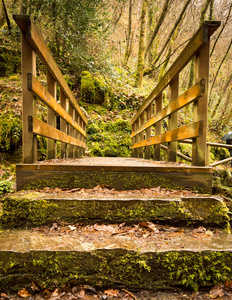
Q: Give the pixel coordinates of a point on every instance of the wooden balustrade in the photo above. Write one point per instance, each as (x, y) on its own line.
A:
(142, 139)
(72, 120)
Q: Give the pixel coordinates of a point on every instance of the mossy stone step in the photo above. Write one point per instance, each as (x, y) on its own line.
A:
(28, 208)
(121, 173)
(173, 259)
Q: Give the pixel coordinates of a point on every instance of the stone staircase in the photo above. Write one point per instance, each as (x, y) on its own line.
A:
(150, 238)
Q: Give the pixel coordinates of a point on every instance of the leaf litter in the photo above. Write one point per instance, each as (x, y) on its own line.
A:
(35, 291)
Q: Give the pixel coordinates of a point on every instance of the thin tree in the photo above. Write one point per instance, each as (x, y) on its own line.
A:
(159, 23)
(6, 15)
(219, 67)
(142, 38)
(180, 18)
(23, 10)
(192, 64)
(129, 36)
(224, 25)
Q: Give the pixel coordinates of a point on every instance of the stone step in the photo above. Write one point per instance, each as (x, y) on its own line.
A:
(144, 256)
(118, 172)
(31, 208)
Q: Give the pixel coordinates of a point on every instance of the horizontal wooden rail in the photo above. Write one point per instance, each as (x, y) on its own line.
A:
(66, 121)
(39, 127)
(41, 92)
(148, 119)
(201, 37)
(37, 43)
(186, 98)
(192, 130)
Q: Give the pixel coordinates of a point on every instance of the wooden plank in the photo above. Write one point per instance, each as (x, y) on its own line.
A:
(173, 118)
(41, 92)
(34, 38)
(39, 127)
(219, 145)
(51, 116)
(221, 162)
(187, 131)
(201, 36)
(29, 143)
(189, 96)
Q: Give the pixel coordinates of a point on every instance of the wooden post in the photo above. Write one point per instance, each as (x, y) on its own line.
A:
(141, 135)
(133, 141)
(158, 107)
(136, 138)
(71, 131)
(51, 144)
(29, 143)
(84, 138)
(199, 149)
(148, 133)
(173, 119)
(81, 138)
(77, 134)
(63, 124)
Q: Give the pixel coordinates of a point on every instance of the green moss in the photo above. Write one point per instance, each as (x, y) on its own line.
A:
(19, 212)
(102, 268)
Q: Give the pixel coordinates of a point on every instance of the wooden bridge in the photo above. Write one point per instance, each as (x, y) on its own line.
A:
(166, 256)
(145, 168)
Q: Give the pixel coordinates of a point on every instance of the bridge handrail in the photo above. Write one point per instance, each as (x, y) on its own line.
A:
(73, 121)
(144, 119)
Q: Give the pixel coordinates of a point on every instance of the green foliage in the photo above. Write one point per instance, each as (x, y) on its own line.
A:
(109, 138)
(6, 186)
(10, 131)
(94, 89)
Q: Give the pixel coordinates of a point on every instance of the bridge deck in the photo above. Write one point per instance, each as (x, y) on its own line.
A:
(117, 172)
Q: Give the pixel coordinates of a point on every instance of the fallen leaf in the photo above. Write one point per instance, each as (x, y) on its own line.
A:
(216, 291)
(112, 293)
(24, 293)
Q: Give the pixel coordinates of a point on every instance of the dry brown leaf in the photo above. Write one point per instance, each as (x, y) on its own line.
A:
(5, 296)
(216, 291)
(81, 294)
(24, 293)
(112, 293)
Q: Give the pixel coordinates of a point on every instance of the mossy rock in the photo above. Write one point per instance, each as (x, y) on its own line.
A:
(94, 89)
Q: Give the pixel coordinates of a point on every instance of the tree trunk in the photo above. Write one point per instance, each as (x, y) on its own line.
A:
(23, 7)
(6, 15)
(141, 53)
(219, 67)
(160, 21)
(192, 64)
(129, 36)
(218, 36)
(180, 18)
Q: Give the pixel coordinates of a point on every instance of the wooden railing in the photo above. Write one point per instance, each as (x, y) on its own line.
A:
(72, 125)
(146, 125)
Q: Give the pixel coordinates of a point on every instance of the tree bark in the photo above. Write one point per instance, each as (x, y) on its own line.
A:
(160, 21)
(129, 36)
(6, 15)
(141, 53)
(23, 7)
(219, 67)
(180, 18)
(218, 36)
